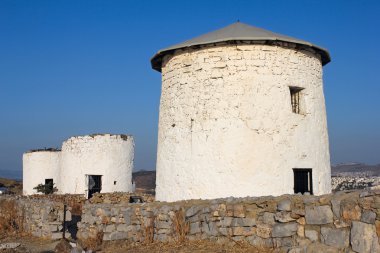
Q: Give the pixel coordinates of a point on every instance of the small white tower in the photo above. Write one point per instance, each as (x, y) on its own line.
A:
(97, 163)
(40, 167)
(242, 113)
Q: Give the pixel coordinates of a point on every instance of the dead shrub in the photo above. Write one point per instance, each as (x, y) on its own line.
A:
(11, 218)
(94, 241)
(149, 229)
(181, 226)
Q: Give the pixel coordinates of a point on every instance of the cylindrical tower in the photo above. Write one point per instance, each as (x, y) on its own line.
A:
(242, 113)
(40, 167)
(97, 163)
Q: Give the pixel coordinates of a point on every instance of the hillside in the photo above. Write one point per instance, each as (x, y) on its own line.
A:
(14, 186)
(145, 181)
(351, 169)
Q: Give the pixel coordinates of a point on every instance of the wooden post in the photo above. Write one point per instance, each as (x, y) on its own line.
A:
(64, 221)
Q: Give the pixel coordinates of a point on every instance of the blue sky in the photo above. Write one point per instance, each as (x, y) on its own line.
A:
(79, 67)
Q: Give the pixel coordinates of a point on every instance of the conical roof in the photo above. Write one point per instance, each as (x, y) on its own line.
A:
(234, 32)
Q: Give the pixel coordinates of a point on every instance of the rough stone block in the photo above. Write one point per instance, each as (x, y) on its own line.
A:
(259, 242)
(226, 221)
(284, 229)
(117, 235)
(335, 203)
(110, 228)
(209, 228)
(225, 231)
(283, 216)
(351, 211)
(123, 228)
(284, 244)
(318, 215)
(312, 235)
(263, 230)
(239, 211)
(338, 238)
(243, 222)
(364, 238)
(301, 231)
(268, 218)
(164, 224)
(284, 205)
(368, 217)
(192, 211)
(53, 228)
(195, 228)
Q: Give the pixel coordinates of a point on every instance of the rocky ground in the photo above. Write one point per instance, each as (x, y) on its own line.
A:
(35, 245)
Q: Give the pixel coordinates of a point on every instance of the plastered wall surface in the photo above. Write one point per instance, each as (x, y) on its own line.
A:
(110, 156)
(38, 166)
(226, 127)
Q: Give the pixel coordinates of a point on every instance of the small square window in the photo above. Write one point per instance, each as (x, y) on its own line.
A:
(295, 98)
(303, 181)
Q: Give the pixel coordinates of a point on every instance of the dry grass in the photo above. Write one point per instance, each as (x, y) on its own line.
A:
(148, 229)
(181, 226)
(93, 242)
(203, 246)
(11, 218)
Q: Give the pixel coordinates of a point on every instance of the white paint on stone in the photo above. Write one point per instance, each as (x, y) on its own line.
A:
(226, 127)
(38, 166)
(110, 156)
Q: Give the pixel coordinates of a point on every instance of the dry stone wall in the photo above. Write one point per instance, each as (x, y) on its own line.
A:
(41, 217)
(341, 222)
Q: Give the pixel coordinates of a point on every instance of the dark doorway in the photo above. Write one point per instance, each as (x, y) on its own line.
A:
(94, 184)
(303, 181)
(49, 185)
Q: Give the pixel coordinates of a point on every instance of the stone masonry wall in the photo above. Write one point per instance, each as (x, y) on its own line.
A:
(42, 217)
(341, 222)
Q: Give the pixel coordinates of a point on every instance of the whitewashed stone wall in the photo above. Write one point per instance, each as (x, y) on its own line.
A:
(108, 155)
(226, 127)
(38, 166)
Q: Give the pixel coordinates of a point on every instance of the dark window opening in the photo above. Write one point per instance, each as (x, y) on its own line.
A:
(114, 182)
(94, 184)
(49, 185)
(295, 96)
(303, 181)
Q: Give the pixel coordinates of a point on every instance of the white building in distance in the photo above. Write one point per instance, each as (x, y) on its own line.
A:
(85, 165)
(242, 113)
